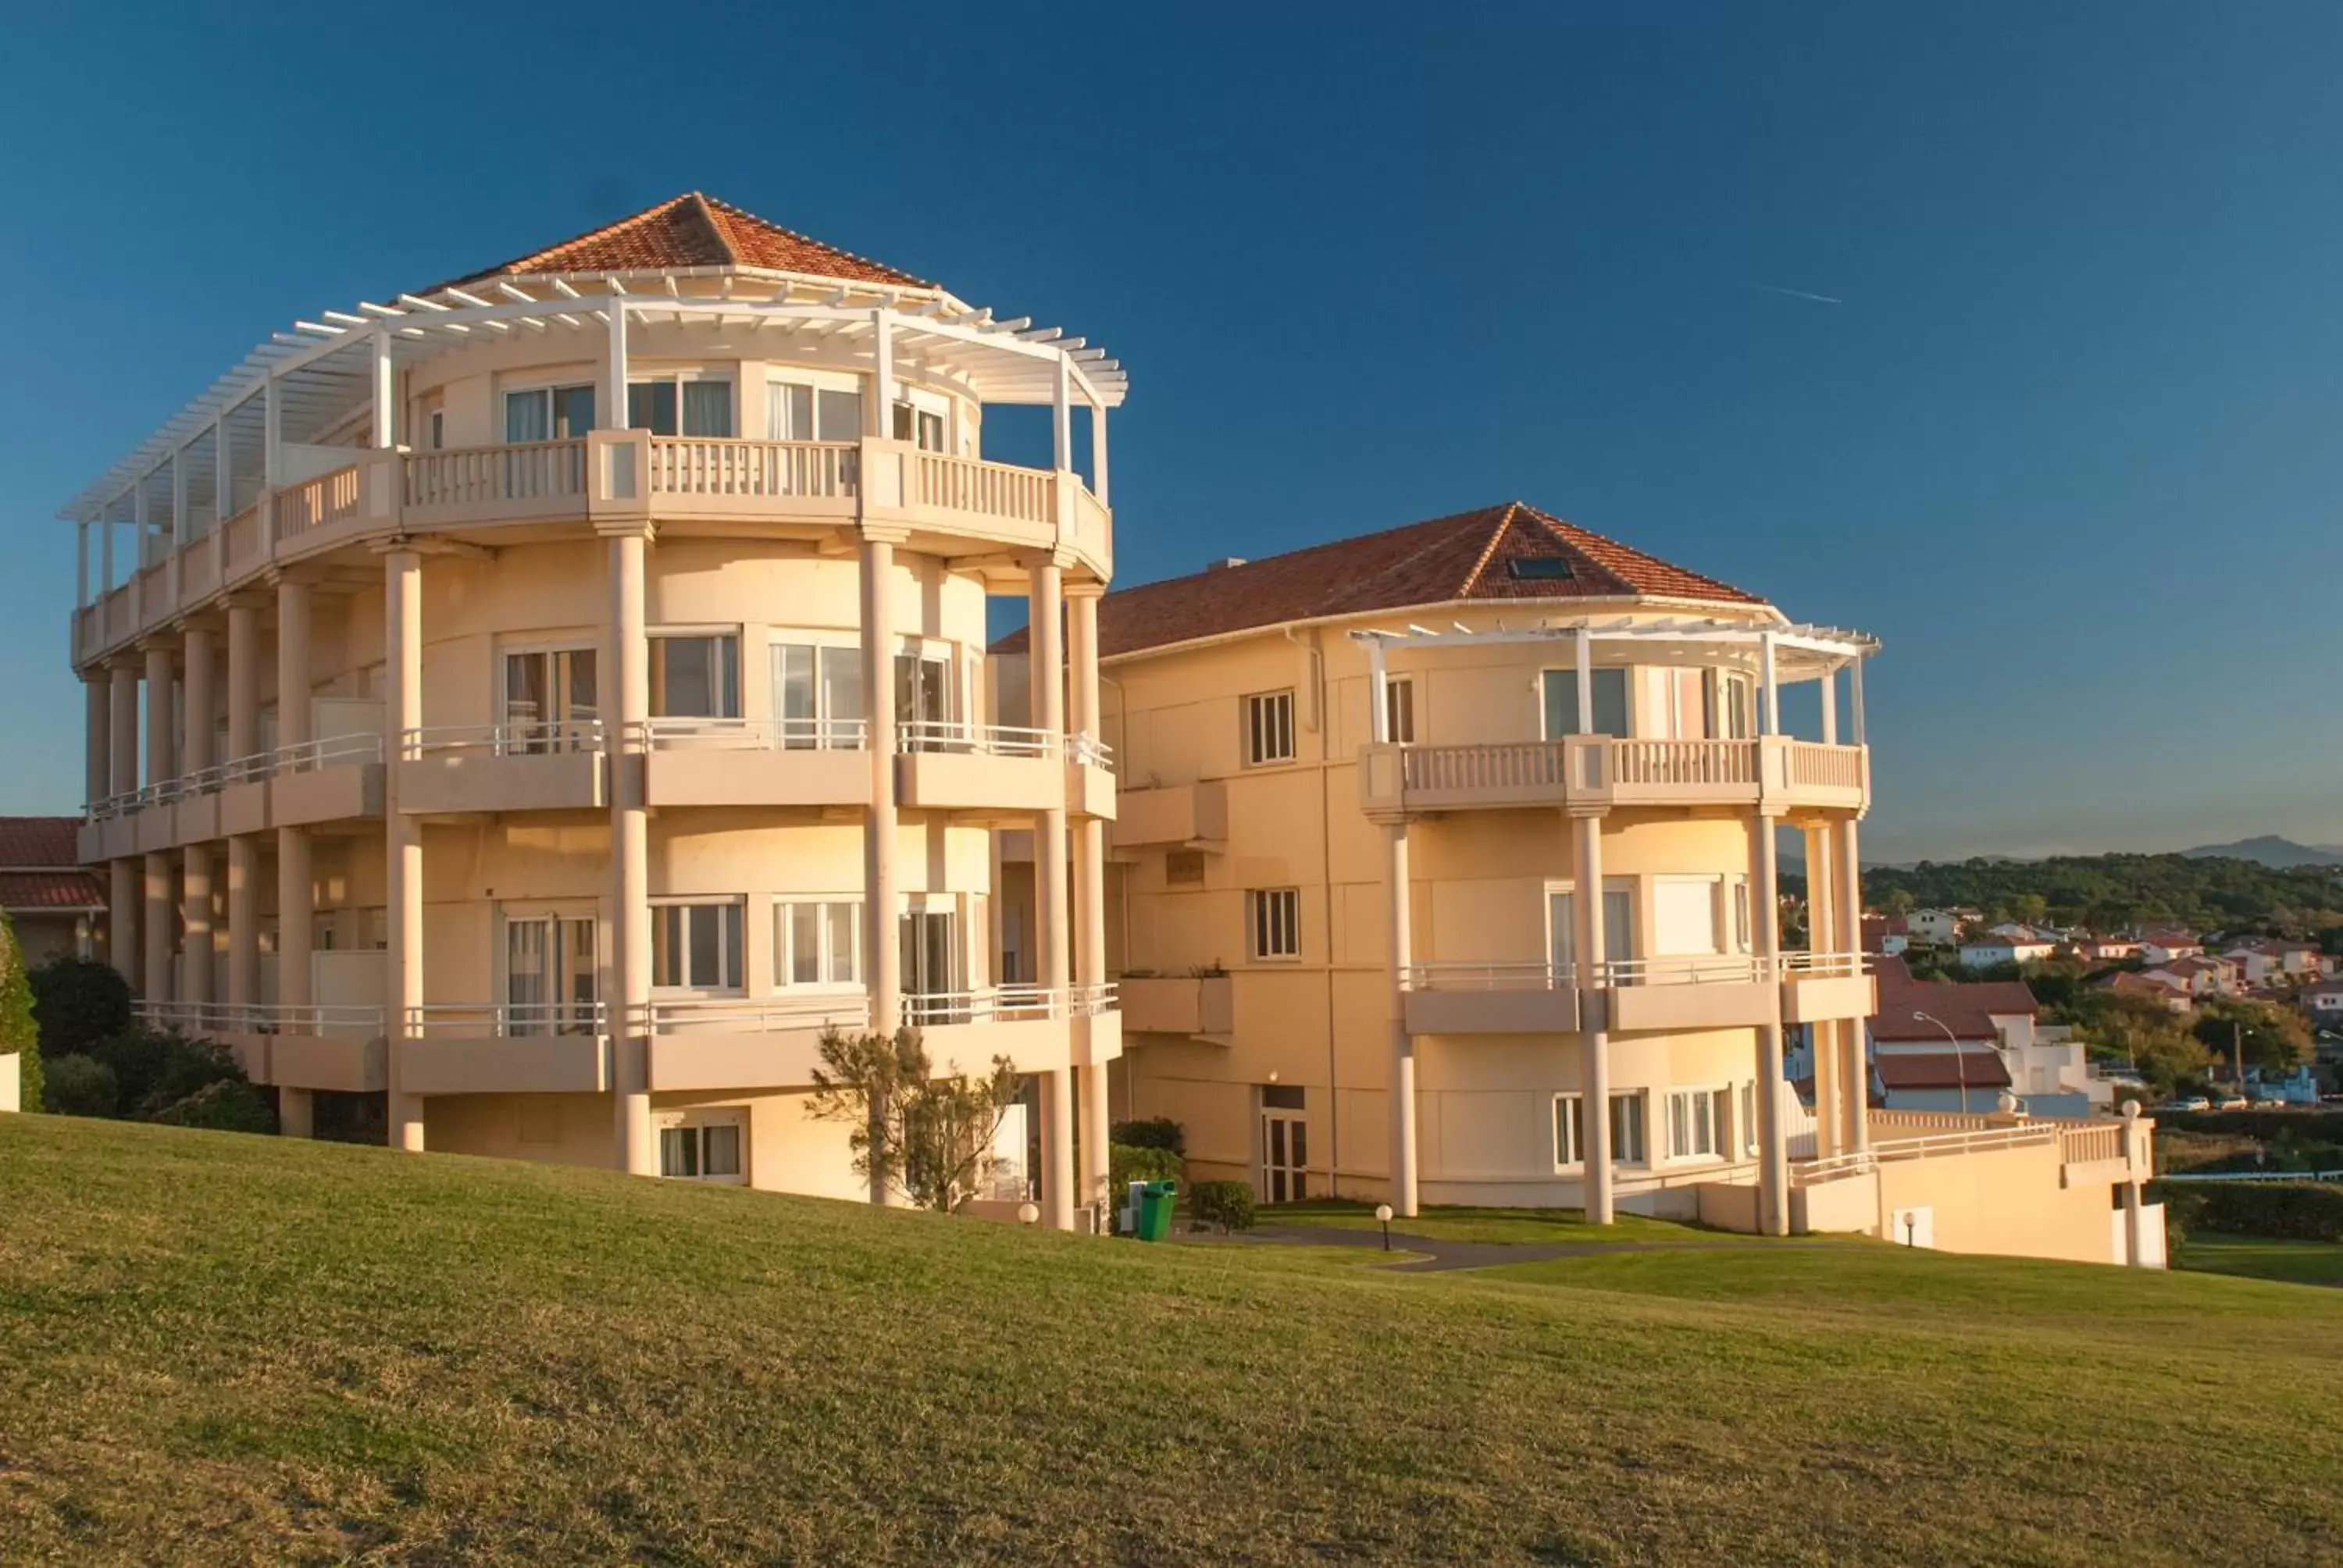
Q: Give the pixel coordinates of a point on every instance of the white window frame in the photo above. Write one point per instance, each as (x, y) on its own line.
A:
(1261, 912)
(1716, 1100)
(1574, 1160)
(563, 733)
(511, 391)
(1259, 737)
(785, 905)
(1398, 709)
(1719, 910)
(677, 379)
(816, 383)
(1747, 1107)
(740, 674)
(824, 737)
(696, 1121)
(738, 983)
(1568, 885)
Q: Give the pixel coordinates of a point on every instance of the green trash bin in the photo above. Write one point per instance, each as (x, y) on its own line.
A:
(1154, 1217)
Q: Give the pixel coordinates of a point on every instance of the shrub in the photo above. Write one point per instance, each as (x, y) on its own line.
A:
(1163, 1133)
(1227, 1204)
(19, 1036)
(1129, 1162)
(2290, 1211)
(223, 1105)
(154, 1069)
(80, 1086)
(77, 1002)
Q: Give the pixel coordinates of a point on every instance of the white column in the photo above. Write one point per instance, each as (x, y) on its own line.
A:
(1098, 454)
(297, 914)
(122, 720)
(161, 765)
(879, 420)
(1766, 942)
(272, 435)
(630, 832)
(1046, 671)
(81, 564)
(1830, 707)
(2135, 1221)
(1403, 1183)
(1061, 418)
(97, 738)
(125, 908)
(1830, 1120)
(1846, 928)
(1855, 699)
(1090, 891)
(1594, 1022)
(385, 395)
(201, 697)
(293, 662)
(196, 861)
(106, 553)
(157, 946)
(243, 849)
(881, 929)
(243, 681)
(1770, 708)
(1585, 641)
(611, 395)
(402, 582)
(122, 918)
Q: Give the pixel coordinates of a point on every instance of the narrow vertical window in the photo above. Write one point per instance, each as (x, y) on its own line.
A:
(1399, 711)
(1269, 727)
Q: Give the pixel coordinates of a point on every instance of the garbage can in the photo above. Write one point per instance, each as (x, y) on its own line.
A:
(1155, 1200)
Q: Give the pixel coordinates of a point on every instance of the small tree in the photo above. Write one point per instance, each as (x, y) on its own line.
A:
(78, 1002)
(18, 1033)
(2271, 1038)
(927, 1136)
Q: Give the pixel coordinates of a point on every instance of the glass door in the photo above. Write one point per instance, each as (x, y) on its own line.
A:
(930, 948)
(1562, 930)
(551, 700)
(1285, 1146)
(924, 699)
(817, 697)
(551, 974)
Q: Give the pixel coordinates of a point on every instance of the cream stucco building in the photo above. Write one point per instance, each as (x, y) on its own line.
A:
(1369, 793)
(540, 703)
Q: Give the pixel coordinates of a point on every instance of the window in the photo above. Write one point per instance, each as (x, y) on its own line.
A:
(438, 428)
(1626, 1129)
(818, 696)
(695, 677)
(550, 699)
(1684, 915)
(797, 412)
(1538, 568)
(1399, 711)
(1562, 702)
(703, 1146)
(1269, 727)
(706, 407)
(696, 946)
(1749, 1118)
(1696, 1123)
(1562, 926)
(548, 414)
(1741, 931)
(1183, 867)
(1273, 922)
(917, 425)
(818, 942)
(1731, 702)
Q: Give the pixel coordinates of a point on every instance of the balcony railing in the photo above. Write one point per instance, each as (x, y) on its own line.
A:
(1688, 969)
(1713, 762)
(1007, 1004)
(1856, 1162)
(522, 738)
(204, 1018)
(1824, 966)
(1606, 770)
(750, 734)
(759, 1014)
(301, 756)
(483, 475)
(1460, 976)
(986, 490)
(503, 1021)
(705, 467)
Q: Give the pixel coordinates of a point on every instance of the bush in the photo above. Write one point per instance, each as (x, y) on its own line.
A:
(2290, 1211)
(223, 1105)
(1128, 1162)
(77, 1002)
(80, 1086)
(157, 1068)
(2312, 1126)
(18, 1034)
(1227, 1204)
(1163, 1133)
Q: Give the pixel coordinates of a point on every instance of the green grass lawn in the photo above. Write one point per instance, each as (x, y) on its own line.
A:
(2262, 1257)
(1512, 1226)
(215, 1348)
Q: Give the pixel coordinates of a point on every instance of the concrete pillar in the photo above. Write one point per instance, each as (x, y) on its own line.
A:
(881, 936)
(1847, 930)
(1402, 1044)
(1595, 1016)
(97, 757)
(297, 1115)
(1830, 1120)
(1089, 891)
(161, 764)
(2134, 1220)
(155, 949)
(123, 906)
(243, 921)
(243, 681)
(1766, 943)
(201, 694)
(402, 581)
(195, 924)
(296, 919)
(292, 680)
(121, 717)
(1046, 670)
(631, 660)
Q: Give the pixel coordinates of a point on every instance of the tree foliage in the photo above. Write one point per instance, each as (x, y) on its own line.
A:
(2271, 1038)
(2116, 892)
(2145, 1033)
(78, 1002)
(927, 1136)
(19, 1035)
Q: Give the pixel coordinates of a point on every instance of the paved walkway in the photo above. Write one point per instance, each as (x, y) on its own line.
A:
(1440, 1256)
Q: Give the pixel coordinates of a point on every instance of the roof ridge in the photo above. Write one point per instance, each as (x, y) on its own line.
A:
(517, 263)
(716, 230)
(1563, 528)
(1489, 549)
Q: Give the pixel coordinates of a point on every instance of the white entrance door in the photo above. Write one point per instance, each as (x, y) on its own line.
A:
(1285, 1146)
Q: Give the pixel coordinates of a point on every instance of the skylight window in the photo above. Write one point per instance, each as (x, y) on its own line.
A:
(1538, 568)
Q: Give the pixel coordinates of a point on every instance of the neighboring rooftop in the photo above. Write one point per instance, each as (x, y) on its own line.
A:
(1512, 551)
(1941, 1070)
(40, 866)
(1968, 1011)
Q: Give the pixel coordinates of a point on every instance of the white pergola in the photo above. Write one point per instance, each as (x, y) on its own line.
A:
(1782, 653)
(212, 459)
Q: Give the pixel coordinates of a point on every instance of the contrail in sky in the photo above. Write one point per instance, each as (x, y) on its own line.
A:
(1800, 293)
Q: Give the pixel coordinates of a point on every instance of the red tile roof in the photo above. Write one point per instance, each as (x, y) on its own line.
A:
(39, 841)
(694, 230)
(24, 891)
(1967, 1009)
(1941, 1069)
(1466, 556)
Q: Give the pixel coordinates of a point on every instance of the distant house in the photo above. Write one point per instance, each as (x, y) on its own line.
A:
(2153, 984)
(1938, 1046)
(1886, 934)
(2264, 960)
(2162, 947)
(1984, 952)
(2104, 950)
(53, 902)
(1938, 928)
(2324, 1003)
(2202, 976)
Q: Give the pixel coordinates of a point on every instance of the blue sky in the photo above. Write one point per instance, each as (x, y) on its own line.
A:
(2069, 443)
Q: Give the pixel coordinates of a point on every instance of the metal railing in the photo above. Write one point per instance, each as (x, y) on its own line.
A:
(301, 756)
(1824, 966)
(760, 1014)
(507, 1021)
(1007, 1004)
(1687, 969)
(1856, 1162)
(1684, 968)
(750, 734)
(518, 737)
(953, 735)
(1462, 976)
(347, 1019)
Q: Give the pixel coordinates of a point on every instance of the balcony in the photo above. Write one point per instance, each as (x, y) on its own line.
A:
(1172, 817)
(328, 1048)
(314, 782)
(1016, 772)
(1672, 993)
(498, 1048)
(1817, 986)
(531, 766)
(1707, 990)
(628, 473)
(753, 762)
(1595, 771)
(1525, 998)
(1202, 1007)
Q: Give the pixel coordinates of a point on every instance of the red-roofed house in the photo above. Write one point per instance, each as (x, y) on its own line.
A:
(55, 904)
(2162, 947)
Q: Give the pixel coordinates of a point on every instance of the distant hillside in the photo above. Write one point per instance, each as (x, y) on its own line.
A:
(2111, 892)
(2270, 850)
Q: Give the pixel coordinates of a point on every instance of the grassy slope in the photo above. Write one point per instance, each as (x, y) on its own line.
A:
(216, 1348)
(1503, 1226)
(2262, 1258)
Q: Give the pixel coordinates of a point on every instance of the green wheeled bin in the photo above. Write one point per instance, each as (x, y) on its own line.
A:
(1154, 1217)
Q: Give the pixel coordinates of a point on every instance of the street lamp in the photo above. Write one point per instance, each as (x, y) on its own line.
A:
(1960, 1067)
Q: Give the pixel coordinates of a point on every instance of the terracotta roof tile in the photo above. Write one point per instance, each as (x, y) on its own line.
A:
(1941, 1069)
(1466, 556)
(21, 890)
(39, 841)
(1967, 1009)
(694, 230)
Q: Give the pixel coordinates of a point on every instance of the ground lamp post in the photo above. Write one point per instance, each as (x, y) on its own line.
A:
(1382, 1217)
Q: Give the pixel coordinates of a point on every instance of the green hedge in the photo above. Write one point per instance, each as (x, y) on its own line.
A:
(1162, 1132)
(223, 1105)
(1227, 1204)
(18, 1033)
(2316, 1126)
(2290, 1211)
(1126, 1163)
(80, 1086)
(77, 1002)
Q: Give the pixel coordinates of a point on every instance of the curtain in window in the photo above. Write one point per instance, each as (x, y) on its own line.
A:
(788, 411)
(708, 409)
(1562, 702)
(837, 415)
(528, 416)
(650, 406)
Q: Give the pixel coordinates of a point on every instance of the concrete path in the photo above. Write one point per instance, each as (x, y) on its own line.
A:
(1440, 1256)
